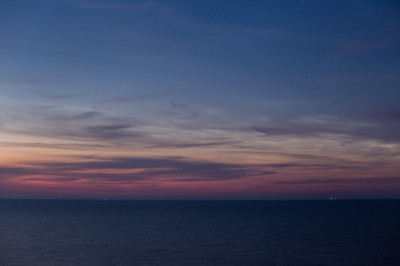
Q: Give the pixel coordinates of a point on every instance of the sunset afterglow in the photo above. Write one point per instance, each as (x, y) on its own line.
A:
(229, 100)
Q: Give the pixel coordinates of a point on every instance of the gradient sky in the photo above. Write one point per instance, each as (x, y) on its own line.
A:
(199, 99)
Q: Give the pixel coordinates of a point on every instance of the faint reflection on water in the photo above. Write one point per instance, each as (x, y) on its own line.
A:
(46, 232)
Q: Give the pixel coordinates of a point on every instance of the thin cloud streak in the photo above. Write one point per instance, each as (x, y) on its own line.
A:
(361, 180)
(317, 128)
(165, 169)
(121, 6)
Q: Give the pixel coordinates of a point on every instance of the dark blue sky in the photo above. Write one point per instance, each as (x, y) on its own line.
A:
(221, 84)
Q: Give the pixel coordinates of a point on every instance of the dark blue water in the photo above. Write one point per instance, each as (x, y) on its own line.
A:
(51, 232)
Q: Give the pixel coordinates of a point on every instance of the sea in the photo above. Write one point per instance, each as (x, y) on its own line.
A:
(112, 232)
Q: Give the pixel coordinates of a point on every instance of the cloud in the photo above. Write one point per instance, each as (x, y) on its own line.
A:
(88, 115)
(60, 146)
(382, 39)
(389, 116)
(176, 105)
(181, 145)
(272, 131)
(9, 171)
(53, 114)
(366, 180)
(138, 98)
(122, 6)
(361, 46)
(319, 125)
(171, 167)
(311, 125)
(111, 131)
(282, 165)
(128, 169)
(58, 124)
(55, 96)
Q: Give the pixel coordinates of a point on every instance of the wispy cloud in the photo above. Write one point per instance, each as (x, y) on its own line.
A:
(389, 116)
(111, 131)
(138, 98)
(318, 126)
(182, 145)
(386, 38)
(177, 105)
(361, 180)
(54, 96)
(88, 115)
(128, 169)
(361, 46)
(122, 6)
(11, 171)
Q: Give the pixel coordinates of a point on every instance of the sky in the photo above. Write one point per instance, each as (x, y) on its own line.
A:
(225, 99)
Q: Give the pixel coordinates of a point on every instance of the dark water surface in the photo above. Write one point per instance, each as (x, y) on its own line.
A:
(73, 232)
